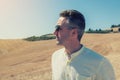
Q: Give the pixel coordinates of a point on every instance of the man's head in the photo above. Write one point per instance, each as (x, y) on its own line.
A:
(70, 22)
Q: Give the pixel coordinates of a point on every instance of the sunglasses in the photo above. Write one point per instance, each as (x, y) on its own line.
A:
(57, 28)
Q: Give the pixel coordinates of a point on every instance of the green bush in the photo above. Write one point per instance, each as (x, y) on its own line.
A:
(43, 37)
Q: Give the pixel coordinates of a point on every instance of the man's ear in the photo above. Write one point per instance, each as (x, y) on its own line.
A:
(74, 33)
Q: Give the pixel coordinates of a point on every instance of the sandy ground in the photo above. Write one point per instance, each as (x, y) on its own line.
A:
(24, 60)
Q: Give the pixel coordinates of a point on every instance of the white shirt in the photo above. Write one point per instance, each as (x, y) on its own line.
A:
(84, 64)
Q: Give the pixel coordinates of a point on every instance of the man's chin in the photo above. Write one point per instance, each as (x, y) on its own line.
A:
(58, 43)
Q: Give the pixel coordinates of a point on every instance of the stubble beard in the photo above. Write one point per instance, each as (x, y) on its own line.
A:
(58, 42)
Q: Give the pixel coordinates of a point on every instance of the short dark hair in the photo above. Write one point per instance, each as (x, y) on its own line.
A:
(76, 18)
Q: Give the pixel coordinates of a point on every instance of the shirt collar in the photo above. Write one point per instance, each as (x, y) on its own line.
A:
(73, 55)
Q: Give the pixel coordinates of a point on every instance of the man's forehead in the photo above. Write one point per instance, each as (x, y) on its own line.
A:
(61, 21)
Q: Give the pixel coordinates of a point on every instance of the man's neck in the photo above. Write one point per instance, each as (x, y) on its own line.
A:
(70, 49)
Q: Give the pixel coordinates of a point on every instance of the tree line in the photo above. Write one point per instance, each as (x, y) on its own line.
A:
(97, 31)
(115, 26)
(100, 30)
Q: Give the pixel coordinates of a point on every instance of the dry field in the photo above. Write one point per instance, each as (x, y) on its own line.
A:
(24, 60)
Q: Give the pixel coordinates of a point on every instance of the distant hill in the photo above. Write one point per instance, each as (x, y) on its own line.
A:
(38, 38)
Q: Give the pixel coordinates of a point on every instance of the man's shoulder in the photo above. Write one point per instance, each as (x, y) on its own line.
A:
(93, 54)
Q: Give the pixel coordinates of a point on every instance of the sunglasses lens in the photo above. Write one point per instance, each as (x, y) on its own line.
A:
(57, 27)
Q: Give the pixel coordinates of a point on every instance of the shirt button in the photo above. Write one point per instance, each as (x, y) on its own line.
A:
(67, 75)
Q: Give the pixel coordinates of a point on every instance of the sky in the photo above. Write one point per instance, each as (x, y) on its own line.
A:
(26, 18)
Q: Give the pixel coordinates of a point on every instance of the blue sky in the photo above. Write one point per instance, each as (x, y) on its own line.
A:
(25, 18)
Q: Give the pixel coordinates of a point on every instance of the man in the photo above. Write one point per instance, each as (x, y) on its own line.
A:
(75, 61)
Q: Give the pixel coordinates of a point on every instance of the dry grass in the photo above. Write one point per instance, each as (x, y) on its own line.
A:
(23, 60)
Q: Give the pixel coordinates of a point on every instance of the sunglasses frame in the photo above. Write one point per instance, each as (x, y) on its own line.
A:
(58, 28)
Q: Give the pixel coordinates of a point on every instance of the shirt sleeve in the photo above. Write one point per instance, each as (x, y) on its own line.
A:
(105, 71)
